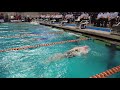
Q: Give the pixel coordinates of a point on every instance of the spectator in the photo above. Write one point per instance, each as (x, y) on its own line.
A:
(1, 16)
(105, 15)
(6, 19)
(113, 16)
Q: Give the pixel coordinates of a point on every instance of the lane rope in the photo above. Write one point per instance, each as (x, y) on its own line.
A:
(24, 35)
(42, 39)
(40, 45)
(107, 73)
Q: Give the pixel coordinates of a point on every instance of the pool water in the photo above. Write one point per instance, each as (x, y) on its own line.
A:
(34, 63)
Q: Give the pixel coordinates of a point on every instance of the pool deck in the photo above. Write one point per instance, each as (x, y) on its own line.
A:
(102, 35)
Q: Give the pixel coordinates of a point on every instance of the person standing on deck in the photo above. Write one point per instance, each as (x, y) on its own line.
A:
(116, 16)
(113, 16)
(106, 15)
(86, 17)
(98, 19)
(94, 19)
(78, 21)
(82, 16)
(101, 19)
(69, 17)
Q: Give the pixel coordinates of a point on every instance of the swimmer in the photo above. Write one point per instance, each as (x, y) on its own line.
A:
(76, 51)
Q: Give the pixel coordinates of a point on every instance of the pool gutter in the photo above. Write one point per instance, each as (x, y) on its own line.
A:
(104, 36)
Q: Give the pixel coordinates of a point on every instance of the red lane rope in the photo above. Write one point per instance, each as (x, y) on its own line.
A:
(107, 72)
(39, 45)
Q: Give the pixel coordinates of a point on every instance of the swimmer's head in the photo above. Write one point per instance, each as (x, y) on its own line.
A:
(85, 47)
(79, 49)
(76, 50)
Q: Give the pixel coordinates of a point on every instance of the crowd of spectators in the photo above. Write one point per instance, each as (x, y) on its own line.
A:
(8, 18)
(98, 19)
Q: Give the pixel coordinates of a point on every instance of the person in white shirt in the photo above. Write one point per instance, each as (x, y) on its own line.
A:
(82, 16)
(69, 17)
(98, 19)
(106, 15)
(78, 21)
(113, 16)
(101, 19)
(118, 19)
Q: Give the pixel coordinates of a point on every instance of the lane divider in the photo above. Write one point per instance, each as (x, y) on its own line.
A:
(39, 45)
(24, 35)
(42, 39)
(13, 31)
(107, 72)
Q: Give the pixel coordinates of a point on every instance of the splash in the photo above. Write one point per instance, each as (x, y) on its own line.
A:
(76, 51)
(56, 57)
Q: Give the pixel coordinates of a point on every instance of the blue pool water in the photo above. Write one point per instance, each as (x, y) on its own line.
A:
(31, 63)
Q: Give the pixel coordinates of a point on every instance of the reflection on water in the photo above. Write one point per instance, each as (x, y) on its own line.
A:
(112, 61)
(112, 53)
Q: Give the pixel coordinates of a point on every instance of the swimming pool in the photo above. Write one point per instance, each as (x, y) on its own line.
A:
(31, 63)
